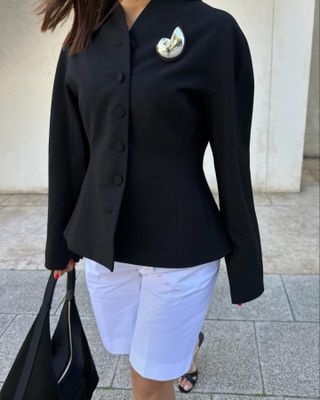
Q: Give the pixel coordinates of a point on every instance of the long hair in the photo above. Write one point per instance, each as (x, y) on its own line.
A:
(88, 16)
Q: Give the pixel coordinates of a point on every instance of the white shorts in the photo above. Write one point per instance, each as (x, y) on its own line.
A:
(153, 314)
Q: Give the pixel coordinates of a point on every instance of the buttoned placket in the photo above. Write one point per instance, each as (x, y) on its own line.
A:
(123, 46)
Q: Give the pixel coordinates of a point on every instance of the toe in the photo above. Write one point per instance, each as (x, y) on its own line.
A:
(185, 383)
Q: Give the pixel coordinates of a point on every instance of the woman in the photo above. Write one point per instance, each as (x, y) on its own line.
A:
(141, 88)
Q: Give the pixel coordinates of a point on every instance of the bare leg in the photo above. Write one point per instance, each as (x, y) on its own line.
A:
(184, 382)
(149, 389)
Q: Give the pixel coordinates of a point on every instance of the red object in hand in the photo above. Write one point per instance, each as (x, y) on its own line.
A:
(56, 275)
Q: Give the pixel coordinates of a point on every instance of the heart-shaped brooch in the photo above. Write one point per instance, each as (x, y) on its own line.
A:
(171, 49)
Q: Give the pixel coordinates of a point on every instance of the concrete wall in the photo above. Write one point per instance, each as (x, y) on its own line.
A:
(27, 63)
(279, 33)
(311, 145)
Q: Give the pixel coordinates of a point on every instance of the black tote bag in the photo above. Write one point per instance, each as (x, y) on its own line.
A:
(57, 368)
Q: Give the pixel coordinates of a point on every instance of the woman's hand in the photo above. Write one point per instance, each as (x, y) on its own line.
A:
(60, 272)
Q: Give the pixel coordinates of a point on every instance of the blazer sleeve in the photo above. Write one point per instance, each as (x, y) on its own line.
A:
(67, 163)
(229, 107)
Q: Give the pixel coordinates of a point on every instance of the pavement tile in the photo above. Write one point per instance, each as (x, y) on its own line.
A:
(259, 397)
(22, 237)
(272, 305)
(5, 320)
(3, 197)
(228, 360)
(121, 378)
(21, 292)
(308, 197)
(118, 394)
(290, 239)
(308, 179)
(261, 199)
(313, 165)
(26, 199)
(112, 394)
(289, 357)
(303, 293)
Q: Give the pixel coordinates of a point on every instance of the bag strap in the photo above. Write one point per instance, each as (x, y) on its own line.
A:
(39, 324)
(71, 281)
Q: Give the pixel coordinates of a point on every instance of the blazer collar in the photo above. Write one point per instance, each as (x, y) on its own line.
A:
(152, 7)
(116, 27)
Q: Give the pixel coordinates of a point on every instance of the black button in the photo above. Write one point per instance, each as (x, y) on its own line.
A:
(119, 76)
(133, 44)
(117, 179)
(119, 111)
(119, 146)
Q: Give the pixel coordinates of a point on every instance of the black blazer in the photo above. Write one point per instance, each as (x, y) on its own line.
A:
(128, 132)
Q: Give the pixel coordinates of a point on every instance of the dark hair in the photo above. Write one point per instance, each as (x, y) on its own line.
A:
(88, 16)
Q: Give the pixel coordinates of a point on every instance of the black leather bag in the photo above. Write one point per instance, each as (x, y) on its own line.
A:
(57, 368)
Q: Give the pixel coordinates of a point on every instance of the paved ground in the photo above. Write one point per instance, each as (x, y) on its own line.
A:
(267, 349)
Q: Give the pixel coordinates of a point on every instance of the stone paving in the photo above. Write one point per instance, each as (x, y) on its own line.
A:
(266, 349)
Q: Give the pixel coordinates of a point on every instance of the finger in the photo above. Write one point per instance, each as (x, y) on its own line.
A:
(57, 274)
(60, 272)
(70, 266)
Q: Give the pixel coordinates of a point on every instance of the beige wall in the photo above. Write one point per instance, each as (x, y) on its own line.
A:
(280, 37)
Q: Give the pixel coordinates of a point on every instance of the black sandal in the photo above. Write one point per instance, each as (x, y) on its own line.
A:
(192, 377)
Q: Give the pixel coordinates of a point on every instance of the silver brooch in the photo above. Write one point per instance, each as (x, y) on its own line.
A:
(170, 49)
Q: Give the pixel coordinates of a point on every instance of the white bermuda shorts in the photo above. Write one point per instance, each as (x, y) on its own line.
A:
(153, 314)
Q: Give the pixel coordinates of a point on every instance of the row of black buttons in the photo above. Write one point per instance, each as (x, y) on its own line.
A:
(119, 147)
(119, 112)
